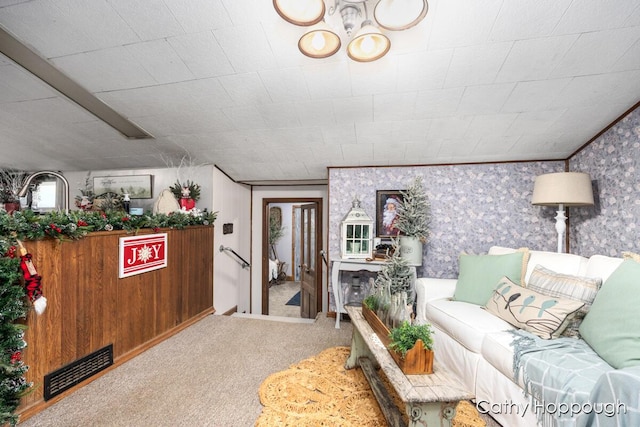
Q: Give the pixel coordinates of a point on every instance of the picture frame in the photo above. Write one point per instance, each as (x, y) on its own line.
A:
(137, 186)
(384, 226)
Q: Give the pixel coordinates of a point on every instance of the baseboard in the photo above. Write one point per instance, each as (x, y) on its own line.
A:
(230, 311)
(274, 318)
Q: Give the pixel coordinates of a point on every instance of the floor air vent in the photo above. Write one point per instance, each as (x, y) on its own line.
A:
(77, 371)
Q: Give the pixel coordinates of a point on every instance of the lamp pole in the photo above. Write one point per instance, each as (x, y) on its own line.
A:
(561, 227)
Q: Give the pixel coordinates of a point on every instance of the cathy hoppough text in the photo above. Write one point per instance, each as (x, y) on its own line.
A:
(609, 409)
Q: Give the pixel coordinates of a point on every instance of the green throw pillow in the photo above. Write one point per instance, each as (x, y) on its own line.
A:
(612, 325)
(480, 273)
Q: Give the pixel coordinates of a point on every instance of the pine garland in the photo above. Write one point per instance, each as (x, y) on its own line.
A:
(27, 225)
(414, 211)
(12, 307)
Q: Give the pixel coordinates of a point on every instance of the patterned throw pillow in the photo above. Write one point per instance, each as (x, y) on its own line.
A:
(539, 314)
(583, 289)
(631, 255)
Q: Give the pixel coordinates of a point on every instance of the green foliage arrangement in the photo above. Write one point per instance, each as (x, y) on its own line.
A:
(404, 337)
(27, 225)
(12, 307)
(194, 189)
(396, 275)
(414, 212)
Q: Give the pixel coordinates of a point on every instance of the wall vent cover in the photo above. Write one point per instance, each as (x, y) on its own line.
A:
(77, 371)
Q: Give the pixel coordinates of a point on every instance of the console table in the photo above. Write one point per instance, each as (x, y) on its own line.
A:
(430, 400)
(339, 265)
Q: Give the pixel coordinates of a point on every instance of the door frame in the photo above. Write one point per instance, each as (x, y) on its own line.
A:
(265, 246)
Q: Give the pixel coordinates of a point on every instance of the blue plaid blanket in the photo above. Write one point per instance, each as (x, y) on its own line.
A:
(571, 386)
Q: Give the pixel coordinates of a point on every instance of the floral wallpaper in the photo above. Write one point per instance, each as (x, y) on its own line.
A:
(473, 207)
(613, 161)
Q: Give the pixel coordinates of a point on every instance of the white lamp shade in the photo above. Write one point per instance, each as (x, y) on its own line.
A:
(563, 188)
(319, 42)
(300, 12)
(368, 44)
(396, 15)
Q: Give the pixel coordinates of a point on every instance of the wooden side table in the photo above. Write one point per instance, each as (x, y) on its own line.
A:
(340, 265)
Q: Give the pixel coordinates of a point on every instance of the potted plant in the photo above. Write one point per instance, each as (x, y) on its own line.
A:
(414, 217)
(187, 193)
(411, 346)
(11, 182)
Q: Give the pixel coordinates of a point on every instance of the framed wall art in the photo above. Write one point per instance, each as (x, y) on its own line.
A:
(387, 202)
(137, 186)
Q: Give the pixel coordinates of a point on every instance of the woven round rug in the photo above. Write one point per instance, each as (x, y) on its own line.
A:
(319, 391)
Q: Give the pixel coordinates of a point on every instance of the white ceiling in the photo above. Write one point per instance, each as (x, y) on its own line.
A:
(476, 81)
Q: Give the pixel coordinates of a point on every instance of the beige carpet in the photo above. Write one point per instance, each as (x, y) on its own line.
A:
(207, 375)
(318, 391)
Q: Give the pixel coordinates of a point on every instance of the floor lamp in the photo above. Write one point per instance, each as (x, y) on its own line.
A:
(562, 189)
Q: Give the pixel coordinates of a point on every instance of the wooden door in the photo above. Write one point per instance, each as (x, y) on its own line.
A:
(311, 270)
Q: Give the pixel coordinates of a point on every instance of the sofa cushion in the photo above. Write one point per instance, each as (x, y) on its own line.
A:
(464, 322)
(577, 288)
(497, 349)
(612, 326)
(602, 266)
(559, 262)
(542, 315)
(479, 274)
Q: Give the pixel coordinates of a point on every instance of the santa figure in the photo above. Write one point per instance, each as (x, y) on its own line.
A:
(390, 216)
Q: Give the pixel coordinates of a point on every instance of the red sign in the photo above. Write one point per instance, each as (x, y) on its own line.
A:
(139, 254)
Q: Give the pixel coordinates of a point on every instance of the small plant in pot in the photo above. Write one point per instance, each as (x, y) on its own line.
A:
(411, 346)
(414, 217)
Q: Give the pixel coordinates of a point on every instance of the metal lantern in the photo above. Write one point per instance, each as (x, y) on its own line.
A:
(356, 233)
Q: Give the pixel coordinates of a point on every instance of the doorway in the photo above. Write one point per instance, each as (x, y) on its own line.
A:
(296, 254)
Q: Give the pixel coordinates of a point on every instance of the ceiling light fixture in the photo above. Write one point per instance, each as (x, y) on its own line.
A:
(369, 43)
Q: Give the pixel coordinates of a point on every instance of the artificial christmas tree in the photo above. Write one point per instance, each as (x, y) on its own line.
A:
(12, 307)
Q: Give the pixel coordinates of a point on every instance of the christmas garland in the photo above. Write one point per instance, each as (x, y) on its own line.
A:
(27, 225)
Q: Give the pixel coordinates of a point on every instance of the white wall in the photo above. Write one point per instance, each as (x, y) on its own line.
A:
(231, 282)
(297, 192)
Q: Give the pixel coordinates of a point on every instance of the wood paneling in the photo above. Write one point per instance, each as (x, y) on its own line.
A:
(88, 306)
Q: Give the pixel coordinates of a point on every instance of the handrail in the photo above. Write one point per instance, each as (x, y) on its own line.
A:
(244, 263)
(324, 258)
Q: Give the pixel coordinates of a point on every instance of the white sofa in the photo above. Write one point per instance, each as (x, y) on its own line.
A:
(474, 344)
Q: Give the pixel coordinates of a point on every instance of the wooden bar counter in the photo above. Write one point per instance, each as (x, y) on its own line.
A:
(89, 307)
